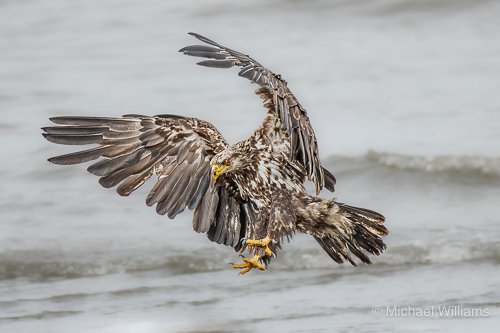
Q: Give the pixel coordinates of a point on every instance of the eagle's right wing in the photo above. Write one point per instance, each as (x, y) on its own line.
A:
(303, 143)
(177, 149)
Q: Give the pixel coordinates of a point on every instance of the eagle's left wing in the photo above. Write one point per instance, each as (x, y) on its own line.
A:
(303, 143)
(133, 148)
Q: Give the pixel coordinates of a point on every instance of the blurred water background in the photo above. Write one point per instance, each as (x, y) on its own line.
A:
(405, 99)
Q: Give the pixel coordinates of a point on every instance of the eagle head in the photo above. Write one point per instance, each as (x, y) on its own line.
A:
(232, 159)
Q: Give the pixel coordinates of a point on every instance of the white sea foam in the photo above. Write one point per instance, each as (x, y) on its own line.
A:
(464, 165)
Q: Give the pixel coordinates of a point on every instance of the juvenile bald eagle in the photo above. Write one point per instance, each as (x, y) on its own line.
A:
(248, 194)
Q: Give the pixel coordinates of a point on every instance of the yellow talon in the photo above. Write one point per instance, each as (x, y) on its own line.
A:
(249, 265)
(263, 243)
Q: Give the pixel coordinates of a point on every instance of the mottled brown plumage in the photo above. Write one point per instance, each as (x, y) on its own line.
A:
(248, 191)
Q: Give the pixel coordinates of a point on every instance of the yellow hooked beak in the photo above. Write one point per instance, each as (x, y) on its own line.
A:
(217, 170)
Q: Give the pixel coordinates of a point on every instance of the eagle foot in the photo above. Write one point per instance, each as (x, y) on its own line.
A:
(263, 243)
(249, 264)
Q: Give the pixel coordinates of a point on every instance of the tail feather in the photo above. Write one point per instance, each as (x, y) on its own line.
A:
(352, 229)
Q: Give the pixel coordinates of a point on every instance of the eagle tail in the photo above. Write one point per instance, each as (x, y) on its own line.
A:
(346, 229)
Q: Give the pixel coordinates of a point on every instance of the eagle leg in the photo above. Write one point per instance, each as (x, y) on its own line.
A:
(262, 243)
(250, 264)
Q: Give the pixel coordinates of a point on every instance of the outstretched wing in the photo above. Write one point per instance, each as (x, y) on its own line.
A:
(176, 149)
(303, 143)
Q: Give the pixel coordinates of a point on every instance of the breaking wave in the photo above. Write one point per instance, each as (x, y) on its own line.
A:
(46, 264)
(34, 265)
(400, 255)
(463, 165)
